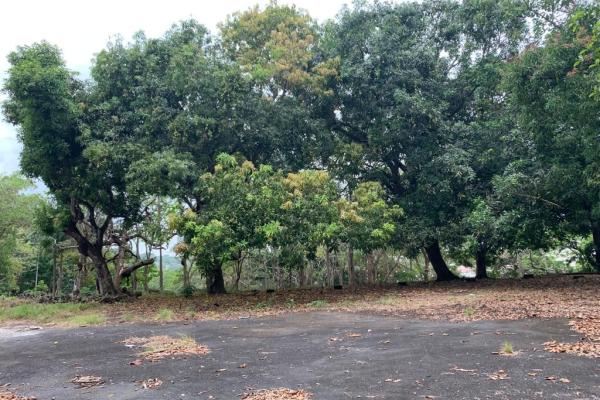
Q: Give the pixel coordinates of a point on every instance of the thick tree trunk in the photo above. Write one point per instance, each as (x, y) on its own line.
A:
(480, 262)
(437, 262)
(120, 265)
(105, 282)
(351, 282)
(596, 240)
(215, 283)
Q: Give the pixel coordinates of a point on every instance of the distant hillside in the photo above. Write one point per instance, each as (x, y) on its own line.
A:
(169, 261)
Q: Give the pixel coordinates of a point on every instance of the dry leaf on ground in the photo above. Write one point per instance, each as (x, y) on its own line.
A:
(151, 383)
(583, 348)
(277, 394)
(6, 394)
(499, 375)
(87, 381)
(157, 347)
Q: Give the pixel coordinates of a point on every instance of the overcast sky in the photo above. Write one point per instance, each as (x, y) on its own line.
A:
(82, 28)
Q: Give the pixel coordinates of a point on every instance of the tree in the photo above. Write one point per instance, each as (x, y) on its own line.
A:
(391, 102)
(369, 224)
(278, 48)
(236, 214)
(78, 151)
(556, 114)
(585, 23)
(16, 210)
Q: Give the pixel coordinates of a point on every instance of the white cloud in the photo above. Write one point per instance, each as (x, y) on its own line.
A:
(82, 28)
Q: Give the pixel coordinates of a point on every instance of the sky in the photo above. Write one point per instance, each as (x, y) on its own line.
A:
(82, 28)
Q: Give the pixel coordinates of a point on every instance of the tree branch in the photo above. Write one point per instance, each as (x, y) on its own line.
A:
(126, 272)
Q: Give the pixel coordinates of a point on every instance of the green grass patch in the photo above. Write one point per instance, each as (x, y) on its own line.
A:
(87, 319)
(469, 312)
(56, 312)
(164, 314)
(318, 303)
(507, 348)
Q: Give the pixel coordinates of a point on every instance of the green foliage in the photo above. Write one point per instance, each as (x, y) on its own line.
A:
(464, 128)
(16, 221)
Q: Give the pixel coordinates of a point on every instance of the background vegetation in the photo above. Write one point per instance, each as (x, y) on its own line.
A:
(396, 142)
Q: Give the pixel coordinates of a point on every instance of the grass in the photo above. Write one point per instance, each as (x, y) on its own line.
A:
(164, 314)
(70, 314)
(507, 348)
(42, 312)
(469, 312)
(318, 303)
(87, 319)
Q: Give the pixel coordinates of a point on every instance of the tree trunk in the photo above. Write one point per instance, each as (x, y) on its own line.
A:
(596, 240)
(302, 276)
(480, 261)
(238, 270)
(370, 265)
(328, 267)
(437, 262)
(350, 266)
(147, 270)
(59, 275)
(79, 278)
(426, 266)
(120, 265)
(186, 274)
(160, 269)
(54, 272)
(105, 282)
(215, 283)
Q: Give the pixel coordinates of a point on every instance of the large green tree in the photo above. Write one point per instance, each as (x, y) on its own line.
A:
(557, 115)
(392, 98)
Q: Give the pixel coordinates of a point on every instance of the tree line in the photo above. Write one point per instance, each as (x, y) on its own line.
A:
(458, 130)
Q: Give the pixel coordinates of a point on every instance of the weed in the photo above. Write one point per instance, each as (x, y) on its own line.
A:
(290, 303)
(164, 314)
(507, 347)
(87, 319)
(42, 312)
(317, 303)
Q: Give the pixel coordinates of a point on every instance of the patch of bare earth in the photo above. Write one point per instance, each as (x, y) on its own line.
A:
(588, 346)
(277, 394)
(7, 394)
(155, 348)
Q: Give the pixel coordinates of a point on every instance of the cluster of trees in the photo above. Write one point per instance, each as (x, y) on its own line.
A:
(453, 129)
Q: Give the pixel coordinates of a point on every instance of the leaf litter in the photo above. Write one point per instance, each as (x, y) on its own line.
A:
(278, 394)
(155, 348)
(588, 346)
(7, 394)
